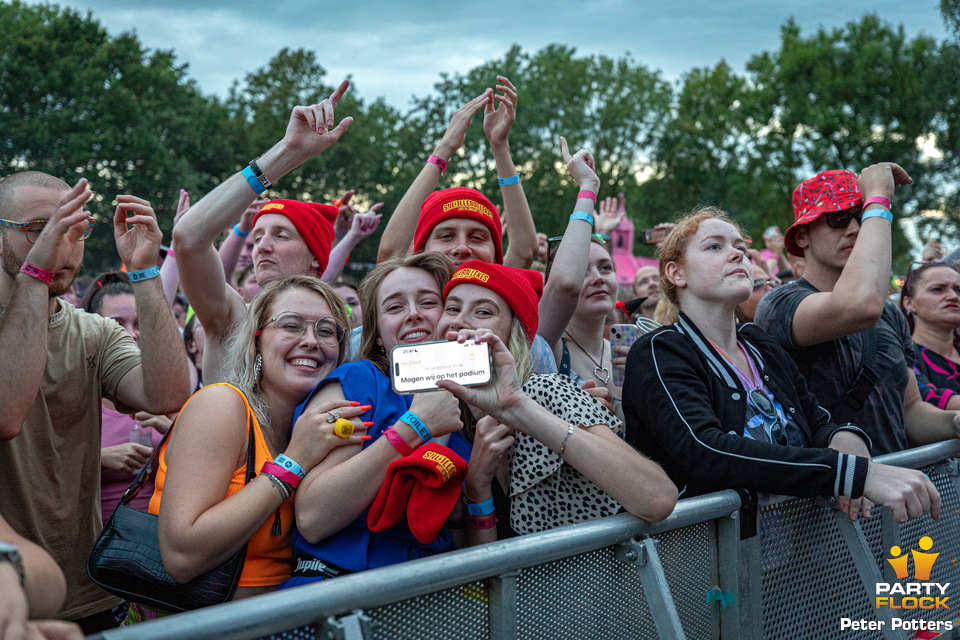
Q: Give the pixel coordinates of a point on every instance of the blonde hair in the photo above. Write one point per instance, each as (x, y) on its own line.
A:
(243, 344)
(674, 247)
(433, 262)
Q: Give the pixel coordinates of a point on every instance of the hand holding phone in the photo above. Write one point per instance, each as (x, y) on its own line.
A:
(654, 236)
(417, 367)
(622, 335)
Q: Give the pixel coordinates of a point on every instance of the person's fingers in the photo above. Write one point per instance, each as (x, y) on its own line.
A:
(488, 105)
(900, 176)
(505, 100)
(934, 497)
(309, 117)
(458, 390)
(57, 630)
(565, 151)
(326, 114)
(342, 89)
(589, 384)
(341, 128)
(506, 81)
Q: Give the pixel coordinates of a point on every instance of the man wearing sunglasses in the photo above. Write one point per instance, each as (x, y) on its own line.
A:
(58, 362)
(850, 343)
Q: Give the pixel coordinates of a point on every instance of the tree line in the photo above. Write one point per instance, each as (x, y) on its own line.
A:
(76, 101)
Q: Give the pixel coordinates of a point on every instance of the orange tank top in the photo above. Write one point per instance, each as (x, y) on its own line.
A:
(269, 558)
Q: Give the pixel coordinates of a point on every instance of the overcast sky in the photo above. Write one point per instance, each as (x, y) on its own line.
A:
(397, 48)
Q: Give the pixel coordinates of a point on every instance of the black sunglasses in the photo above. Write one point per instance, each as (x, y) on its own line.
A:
(841, 219)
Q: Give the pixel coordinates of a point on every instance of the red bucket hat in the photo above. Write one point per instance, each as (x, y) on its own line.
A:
(825, 192)
(458, 202)
(521, 288)
(313, 221)
(425, 485)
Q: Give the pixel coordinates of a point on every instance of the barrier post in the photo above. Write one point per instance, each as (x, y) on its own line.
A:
(739, 573)
(503, 606)
(642, 554)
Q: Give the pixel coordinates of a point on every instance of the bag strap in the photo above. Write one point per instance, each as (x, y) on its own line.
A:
(865, 380)
(565, 359)
(141, 479)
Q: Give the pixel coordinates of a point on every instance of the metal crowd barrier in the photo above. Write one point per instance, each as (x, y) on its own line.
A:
(718, 567)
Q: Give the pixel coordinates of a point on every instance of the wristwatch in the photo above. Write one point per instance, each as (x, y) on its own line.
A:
(10, 553)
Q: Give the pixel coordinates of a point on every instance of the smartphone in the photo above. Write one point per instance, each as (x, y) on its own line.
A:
(417, 367)
(622, 335)
(654, 236)
(771, 231)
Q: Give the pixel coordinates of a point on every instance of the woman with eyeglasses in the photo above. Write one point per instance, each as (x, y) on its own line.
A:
(931, 302)
(291, 338)
(722, 406)
(402, 301)
(581, 290)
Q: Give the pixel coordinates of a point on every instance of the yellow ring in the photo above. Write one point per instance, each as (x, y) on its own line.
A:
(343, 428)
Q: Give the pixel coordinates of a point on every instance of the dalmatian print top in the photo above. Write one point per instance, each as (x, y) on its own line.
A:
(545, 492)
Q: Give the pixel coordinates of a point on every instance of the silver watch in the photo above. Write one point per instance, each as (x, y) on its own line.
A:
(10, 553)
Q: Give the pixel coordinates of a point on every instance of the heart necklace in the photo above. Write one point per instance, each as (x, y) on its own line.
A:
(601, 373)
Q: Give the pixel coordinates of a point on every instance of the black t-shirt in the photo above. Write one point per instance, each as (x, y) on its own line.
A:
(830, 368)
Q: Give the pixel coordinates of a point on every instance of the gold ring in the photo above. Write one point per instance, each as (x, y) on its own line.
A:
(343, 428)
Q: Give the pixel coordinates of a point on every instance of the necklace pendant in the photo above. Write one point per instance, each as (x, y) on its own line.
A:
(602, 373)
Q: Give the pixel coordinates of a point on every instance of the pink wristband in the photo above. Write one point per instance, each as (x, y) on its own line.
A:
(482, 522)
(275, 470)
(398, 442)
(40, 274)
(587, 194)
(877, 200)
(440, 162)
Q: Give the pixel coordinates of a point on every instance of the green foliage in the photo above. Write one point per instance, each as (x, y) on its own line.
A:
(76, 101)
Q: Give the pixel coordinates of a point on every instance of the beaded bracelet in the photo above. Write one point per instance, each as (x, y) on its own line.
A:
(281, 486)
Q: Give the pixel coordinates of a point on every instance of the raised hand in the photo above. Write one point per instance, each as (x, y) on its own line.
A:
(456, 133)
(581, 166)
(139, 246)
(183, 205)
(65, 228)
(311, 129)
(364, 224)
(610, 215)
(345, 211)
(932, 252)
(882, 179)
(498, 119)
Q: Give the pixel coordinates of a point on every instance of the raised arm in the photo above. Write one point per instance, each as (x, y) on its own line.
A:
(497, 122)
(398, 236)
(561, 292)
(161, 382)
(856, 301)
(309, 132)
(232, 246)
(24, 321)
(169, 274)
(362, 225)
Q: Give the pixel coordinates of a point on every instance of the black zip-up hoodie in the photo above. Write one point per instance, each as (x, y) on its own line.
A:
(686, 408)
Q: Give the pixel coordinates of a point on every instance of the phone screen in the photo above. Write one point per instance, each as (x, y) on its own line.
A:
(417, 367)
(653, 236)
(622, 335)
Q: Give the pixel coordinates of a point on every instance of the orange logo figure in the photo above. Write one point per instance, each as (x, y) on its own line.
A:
(923, 562)
(898, 562)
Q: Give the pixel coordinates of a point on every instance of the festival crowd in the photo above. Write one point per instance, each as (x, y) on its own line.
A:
(253, 379)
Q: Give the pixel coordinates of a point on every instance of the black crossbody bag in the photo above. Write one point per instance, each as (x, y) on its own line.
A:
(864, 383)
(126, 560)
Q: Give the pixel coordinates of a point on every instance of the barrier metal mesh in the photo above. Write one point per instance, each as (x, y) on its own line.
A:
(460, 612)
(597, 596)
(809, 580)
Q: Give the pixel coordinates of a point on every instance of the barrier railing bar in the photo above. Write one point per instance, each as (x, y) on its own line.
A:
(258, 616)
(736, 576)
(867, 568)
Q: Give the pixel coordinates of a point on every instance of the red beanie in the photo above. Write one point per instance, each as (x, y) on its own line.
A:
(521, 288)
(425, 485)
(458, 202)
(314, 221)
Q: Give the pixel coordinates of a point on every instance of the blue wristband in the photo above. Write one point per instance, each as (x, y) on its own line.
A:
(504, 182)
(290, 465)
(144, 274)
(581, 215)
(877, 213)
(411, 419)
(484, 508)
(253, 181)
(237, 232)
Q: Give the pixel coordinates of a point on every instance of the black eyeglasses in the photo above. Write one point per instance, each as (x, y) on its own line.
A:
(33, 228)
(841, 219)
(292, 326)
